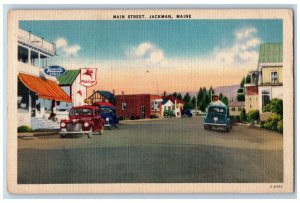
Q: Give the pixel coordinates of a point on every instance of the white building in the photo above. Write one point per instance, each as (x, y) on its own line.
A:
(270, 69)
(37, 92)
(167, 105)
(70, 83)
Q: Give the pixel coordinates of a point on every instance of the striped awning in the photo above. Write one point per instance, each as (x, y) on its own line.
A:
(44, 88)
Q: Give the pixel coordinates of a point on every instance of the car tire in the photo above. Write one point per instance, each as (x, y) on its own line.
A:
(62, 135)
(205, 127)
(116, 126)
(101, 132)
(90, 134)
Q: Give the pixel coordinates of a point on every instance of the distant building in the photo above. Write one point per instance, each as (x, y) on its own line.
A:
(235, 108)
(270, 68)
(178, 105)
(251, 92)
(70, 83)
(38, 93)
(102, 96)
(167, 105)
(138, 105)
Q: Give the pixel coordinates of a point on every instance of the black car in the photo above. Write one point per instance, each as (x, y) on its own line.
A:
(186, 113)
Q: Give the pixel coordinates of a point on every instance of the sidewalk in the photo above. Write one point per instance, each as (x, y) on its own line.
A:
(31, 135)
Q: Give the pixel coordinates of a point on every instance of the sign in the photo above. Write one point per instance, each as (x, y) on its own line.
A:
(54, 71)
(88, 77)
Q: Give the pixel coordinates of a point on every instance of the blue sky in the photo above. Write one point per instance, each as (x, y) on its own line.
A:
(184, 38)
(192, 53)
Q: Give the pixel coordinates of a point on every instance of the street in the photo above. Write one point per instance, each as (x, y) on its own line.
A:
(155, 151)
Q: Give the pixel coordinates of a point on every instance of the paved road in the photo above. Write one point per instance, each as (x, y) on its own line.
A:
(155, 151)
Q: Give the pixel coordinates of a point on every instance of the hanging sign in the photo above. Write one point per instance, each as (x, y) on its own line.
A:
(88, 77)
(54, 70)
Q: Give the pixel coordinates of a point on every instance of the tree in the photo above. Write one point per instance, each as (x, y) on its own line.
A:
(187, 98)
(174, 94)
(240, 97)
(242, 83)
(179, 96)
(248, 79)
(275, 106)
(193, 102)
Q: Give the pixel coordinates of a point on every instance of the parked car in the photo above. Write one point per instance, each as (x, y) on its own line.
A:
(217, 117)
(169, 114)
(82, 120)
(109, 114)
(186, 113)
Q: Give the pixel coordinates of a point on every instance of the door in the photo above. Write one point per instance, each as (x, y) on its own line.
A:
(142, 111)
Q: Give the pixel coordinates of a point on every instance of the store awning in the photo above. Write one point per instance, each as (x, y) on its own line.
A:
(46, 89)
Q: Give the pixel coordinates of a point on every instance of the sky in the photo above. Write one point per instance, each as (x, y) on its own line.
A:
(159, 55)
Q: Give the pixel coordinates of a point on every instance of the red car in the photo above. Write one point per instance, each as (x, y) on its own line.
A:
(82, 120)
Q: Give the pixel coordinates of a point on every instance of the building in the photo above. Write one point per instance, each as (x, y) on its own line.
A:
(178, 105)
(167, 105)
(70, 83)
(270, 68)
(251, 92)
(102, 96)
(235, 108)
(38, 93)
(138, 105)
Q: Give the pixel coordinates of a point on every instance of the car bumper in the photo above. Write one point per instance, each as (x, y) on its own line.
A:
(216, 124)
(64, 132)
(107, 125)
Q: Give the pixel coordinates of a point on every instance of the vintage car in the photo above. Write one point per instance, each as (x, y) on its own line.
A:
(217, 116)
(186, 113)
(82, 120)
(108, 113)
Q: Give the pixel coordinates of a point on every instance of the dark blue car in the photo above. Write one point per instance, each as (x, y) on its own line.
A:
(186, 113)
(108, 113)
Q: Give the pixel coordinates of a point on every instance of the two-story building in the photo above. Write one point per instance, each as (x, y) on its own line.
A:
(251, 92)
(270, 67)
(37, 92)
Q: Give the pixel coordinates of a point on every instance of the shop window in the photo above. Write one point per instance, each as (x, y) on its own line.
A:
(124, 106)
(274, 77)
(22, 54)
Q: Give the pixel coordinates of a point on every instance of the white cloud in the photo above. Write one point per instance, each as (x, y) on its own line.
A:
(65, 49)
(244, 48)
(148, 52)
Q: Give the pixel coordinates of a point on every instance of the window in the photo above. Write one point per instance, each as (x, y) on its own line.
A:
(124, 106)
(250, 106)
(274, 77)
(154, 106)
(239, 109)
(233, 109)
(265, 98)
(81, 112)
(250, 99)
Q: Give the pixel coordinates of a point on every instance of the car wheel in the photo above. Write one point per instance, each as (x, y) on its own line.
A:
(101, 131)
(205, 127)
(62, 135)
(116, 126)
(90, 134)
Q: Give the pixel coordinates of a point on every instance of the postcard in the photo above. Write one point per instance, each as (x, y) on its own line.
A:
(150, 101)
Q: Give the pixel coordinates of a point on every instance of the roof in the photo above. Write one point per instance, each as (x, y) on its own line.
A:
(103, 104)
(217, 103)
(106, 94)
(173, 99)
(68, 78)
(47, 89)
(166, 101)
(85, 107)
(270, 53)
(237, 104)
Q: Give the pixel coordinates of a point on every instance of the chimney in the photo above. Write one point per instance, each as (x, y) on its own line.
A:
(165, 93)
(113, 91)
(122, 92)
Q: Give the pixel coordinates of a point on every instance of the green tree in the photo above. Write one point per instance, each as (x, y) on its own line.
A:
(248, 79)
(187, 98)
(240, 97)
(179, 96)
(193, 102)
(242, 83)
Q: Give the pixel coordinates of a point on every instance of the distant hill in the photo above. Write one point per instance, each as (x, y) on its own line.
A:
(228, 91)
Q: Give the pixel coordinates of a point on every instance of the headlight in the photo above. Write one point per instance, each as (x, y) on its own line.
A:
(62, 125)
(86, 124)
(107, 119)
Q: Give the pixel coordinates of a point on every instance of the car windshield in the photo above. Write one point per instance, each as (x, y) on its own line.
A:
(216, 110)
(106, 110)
(81, 112)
